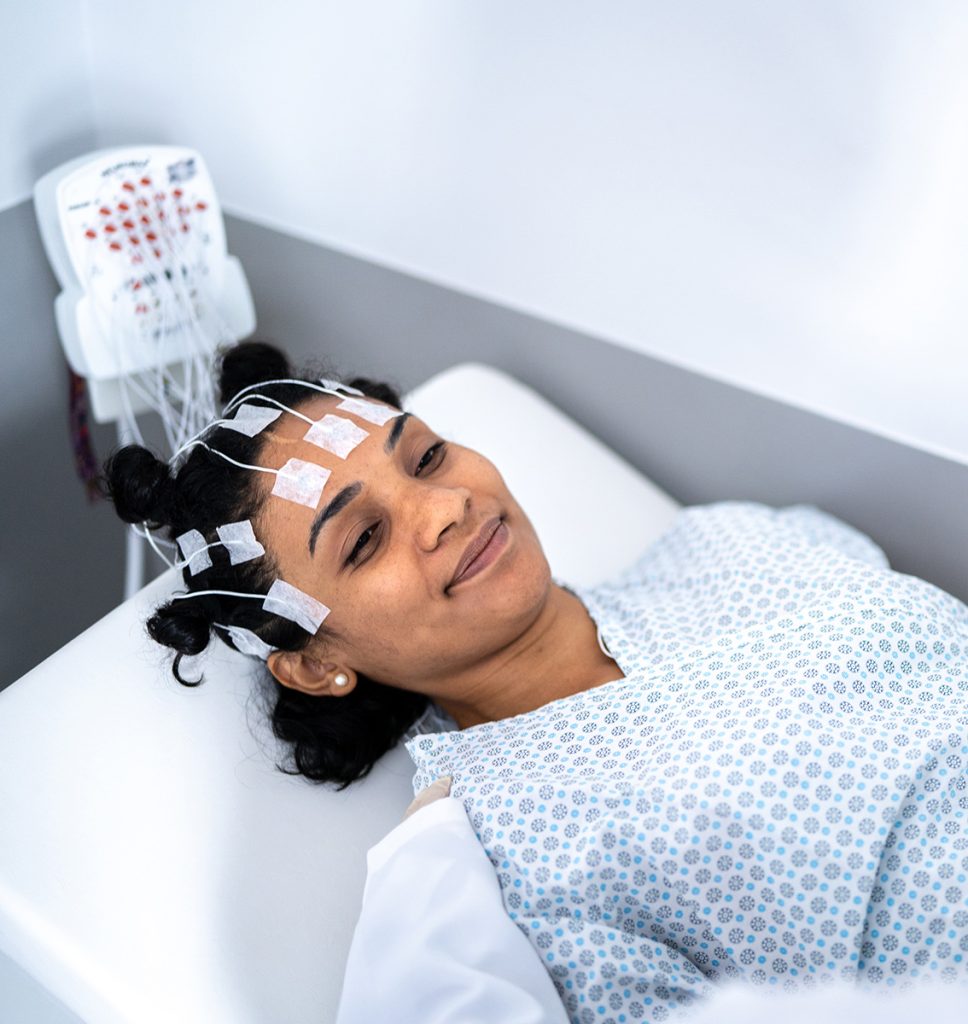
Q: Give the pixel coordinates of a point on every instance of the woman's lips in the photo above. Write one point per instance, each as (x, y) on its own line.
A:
(494, 545)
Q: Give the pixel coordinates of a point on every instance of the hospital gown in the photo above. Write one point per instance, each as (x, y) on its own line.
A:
(776, 789)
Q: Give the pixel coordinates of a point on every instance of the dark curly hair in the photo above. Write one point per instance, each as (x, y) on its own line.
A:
(332, 740)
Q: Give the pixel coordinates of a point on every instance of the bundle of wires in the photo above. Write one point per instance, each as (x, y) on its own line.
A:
(166, 303)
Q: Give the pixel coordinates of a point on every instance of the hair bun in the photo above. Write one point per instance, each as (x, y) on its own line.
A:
(140, 486)
(186, 629)
(250, 362)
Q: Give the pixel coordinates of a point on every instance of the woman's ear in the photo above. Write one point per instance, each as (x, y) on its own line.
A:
(317, 677)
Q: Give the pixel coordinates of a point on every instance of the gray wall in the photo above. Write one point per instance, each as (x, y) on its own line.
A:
(697, 438)
(61, 557)
(700, 440)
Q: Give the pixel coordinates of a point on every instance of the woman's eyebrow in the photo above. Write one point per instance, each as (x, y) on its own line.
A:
(398, 424)
(345, 496)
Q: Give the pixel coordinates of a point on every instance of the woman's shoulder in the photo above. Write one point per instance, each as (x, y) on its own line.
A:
(719, 534)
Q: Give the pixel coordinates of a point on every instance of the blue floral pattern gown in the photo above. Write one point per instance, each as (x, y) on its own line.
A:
(776, 788)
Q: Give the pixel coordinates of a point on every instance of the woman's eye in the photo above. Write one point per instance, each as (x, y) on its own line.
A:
(361, 543)
(429, 456)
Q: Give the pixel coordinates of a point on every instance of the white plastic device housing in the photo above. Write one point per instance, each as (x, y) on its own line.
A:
(95, 269)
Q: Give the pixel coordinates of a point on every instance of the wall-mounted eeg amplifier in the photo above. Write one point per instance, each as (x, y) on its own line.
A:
(136, 240)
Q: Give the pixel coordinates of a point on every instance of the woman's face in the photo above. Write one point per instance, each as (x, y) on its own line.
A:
(393, 531)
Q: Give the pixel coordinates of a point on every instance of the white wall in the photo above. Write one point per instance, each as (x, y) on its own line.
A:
(770, 193)
(46, 112)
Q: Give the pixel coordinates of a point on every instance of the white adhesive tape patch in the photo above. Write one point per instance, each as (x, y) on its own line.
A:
(251, 419)
(301, 482)
(335, 385)
(194, 550)
(370, 411)
(247, 642)
(336, 434)
(239, 540)
(291, 603)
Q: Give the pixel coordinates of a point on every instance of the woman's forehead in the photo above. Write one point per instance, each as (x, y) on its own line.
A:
(290, 428)
(287, 446)
(328, 435)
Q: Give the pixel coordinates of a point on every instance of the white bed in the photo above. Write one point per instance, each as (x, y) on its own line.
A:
(154, 865)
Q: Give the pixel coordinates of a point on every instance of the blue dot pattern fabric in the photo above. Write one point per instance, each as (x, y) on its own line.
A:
(775, 789)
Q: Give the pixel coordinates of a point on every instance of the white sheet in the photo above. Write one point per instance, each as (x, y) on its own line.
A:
(434, 943)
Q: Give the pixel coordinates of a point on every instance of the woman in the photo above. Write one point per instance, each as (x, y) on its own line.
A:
(388, 551)
(705, 768)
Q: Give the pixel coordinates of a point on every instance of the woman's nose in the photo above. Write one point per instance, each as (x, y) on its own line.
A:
(438, 509)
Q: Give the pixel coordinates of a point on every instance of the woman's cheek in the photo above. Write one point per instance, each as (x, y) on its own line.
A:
(379, 611)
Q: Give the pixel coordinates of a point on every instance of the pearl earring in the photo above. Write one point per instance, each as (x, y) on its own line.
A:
(341, 679)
